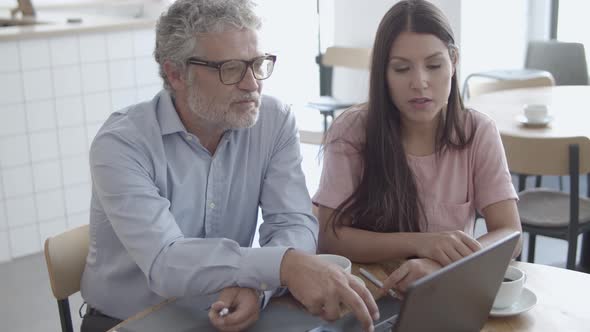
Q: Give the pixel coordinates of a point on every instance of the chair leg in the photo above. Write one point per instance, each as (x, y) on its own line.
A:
(65, 316)
(538, 181)
(572, 249)
(521, 182)
(531, 253)
(572, 231)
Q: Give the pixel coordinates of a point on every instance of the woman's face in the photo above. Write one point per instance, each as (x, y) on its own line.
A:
(419, 73)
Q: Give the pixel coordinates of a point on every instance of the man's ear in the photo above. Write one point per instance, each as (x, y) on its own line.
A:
(175, 75)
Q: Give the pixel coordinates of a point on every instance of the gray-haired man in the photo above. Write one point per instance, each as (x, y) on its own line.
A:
(178, 180)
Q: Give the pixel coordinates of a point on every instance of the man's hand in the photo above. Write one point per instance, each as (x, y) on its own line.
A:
(409, 272)
(447, 247)
(243, 306)
(321, 287)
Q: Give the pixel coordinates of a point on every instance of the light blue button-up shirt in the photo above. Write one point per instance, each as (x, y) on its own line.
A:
(170, 219)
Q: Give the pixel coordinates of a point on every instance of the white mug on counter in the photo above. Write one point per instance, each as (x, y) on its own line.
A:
(341, 261)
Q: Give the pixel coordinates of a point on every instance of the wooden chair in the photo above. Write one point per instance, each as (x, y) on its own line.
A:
(506, 78)
(335, 56)
(548, 212)
(479, 88)
(311, 137)
(539, 80)
(65, 255)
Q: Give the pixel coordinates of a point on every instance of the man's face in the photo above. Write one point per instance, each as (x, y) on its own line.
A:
(219, 105)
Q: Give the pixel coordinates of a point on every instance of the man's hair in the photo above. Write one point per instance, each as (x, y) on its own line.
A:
(179, 25)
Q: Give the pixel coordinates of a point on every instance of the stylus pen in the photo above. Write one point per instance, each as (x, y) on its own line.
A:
(223, 312)
(377, 282)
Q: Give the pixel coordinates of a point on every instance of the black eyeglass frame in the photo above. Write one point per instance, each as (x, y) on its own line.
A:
(249, 63)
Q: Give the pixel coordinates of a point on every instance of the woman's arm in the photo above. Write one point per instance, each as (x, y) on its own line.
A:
(360, 245)
(501, 219)
(370, 247)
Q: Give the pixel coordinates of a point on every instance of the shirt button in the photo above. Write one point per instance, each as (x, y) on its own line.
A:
(212, 205)
(263, 286)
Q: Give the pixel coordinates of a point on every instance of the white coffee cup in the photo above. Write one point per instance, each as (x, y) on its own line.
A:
(536, 113)
(341, 261)
(510, 291)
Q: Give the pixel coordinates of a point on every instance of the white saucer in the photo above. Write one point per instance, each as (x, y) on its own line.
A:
(526, 122)
(527, 300)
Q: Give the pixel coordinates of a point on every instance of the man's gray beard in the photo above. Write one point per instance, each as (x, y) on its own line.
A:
(242, 121)
(230, 120)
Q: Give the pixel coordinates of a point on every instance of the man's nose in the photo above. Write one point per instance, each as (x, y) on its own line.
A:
(249, 82)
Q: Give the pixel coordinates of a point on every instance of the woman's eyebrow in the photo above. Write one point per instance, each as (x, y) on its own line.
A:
(397, 57)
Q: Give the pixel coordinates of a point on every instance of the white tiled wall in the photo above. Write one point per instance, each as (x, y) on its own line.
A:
(54, 96)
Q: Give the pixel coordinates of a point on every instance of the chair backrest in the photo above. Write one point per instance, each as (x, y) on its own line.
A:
(565, 61)
(311, 137)
(479, 88)
(345, 57)
(544, 156)
(349, 57)
(65, 255)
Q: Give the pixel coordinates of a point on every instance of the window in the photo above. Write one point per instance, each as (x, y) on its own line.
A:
(573, 24)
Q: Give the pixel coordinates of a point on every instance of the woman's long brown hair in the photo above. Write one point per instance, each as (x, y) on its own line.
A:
(386, 199)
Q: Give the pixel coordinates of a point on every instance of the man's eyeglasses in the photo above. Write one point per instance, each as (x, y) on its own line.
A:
(233, 71)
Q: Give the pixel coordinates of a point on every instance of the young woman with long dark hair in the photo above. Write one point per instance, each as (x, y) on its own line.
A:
(405, 173)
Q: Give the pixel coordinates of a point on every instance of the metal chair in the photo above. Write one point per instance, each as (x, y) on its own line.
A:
(335, 56)
(548, 212)
(65, 255)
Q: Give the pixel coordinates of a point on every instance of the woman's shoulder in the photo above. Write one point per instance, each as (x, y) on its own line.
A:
(479, 122)
(479, 118)
(483, 128)
(350, 125)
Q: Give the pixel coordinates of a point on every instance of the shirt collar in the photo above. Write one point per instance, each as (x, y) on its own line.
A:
(167, 116)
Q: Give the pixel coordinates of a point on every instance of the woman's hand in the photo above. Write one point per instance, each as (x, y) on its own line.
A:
(446, 247)
(409, 272)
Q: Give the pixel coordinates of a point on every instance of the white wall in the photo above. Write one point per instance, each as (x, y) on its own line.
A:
(493, 35)
(283, 33)
(352, 29)
(539, 25)
(55, 94)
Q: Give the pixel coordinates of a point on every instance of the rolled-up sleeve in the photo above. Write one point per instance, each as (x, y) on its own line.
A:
(491, 178)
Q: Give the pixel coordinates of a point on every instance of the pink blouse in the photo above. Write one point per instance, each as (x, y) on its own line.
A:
(451, 187)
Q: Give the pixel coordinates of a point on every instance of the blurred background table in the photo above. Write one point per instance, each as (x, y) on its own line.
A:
(571, 117)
